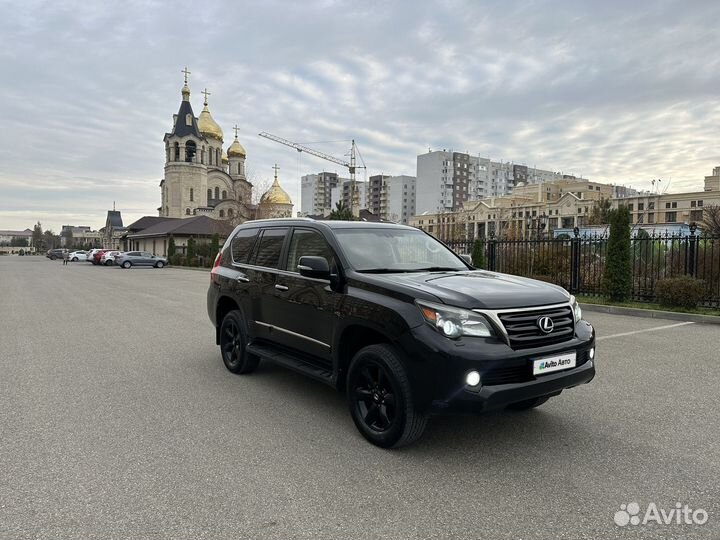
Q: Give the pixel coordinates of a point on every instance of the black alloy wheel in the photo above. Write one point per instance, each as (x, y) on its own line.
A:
(233, 343)
(380, 398)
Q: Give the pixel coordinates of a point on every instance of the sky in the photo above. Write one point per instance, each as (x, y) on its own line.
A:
(622, 92)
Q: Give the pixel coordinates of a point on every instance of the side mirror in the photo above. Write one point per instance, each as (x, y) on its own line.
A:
(314, 267)
(465, 257)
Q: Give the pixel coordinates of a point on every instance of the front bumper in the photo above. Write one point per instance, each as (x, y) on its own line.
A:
(439, 367)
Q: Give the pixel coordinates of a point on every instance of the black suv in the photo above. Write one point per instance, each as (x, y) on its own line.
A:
(396, 320)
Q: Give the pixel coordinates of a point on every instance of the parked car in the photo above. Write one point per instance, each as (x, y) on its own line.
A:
(78, 256)
(91, 255)
(140, 258)
(98, 255)
(53, 254)
(108, 258)
(396, 320)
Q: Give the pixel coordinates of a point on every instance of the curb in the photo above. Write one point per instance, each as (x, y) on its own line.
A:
(194, 268)
(652, 313)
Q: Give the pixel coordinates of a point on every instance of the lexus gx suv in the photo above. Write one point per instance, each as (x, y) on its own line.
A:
(396, 320)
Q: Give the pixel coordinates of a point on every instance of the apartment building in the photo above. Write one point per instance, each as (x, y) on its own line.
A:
(316, 193)
(397, 199)
(343, 192)
(374, 192)
(667, 208)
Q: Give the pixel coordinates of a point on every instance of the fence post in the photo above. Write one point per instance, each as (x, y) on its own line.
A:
(491, 252)
(692, 250)
(575, 262)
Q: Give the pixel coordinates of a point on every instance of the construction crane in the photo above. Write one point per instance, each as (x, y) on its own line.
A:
(351, 166)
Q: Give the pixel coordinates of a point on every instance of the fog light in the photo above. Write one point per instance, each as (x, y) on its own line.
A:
(472, 378)
(592, 353)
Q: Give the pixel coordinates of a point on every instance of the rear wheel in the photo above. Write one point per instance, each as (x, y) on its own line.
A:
(126, 264)
(528, 403)
(233, 344)
(380, 398)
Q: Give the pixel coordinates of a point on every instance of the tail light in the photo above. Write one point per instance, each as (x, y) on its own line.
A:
(216, 264)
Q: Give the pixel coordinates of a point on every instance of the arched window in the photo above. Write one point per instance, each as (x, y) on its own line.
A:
(187, 211)
(202, 155)
(209, 195)
(230, 212)
(194, 211)
(217, 193)
(224, 195)
(188, 119)
(192, 195)
(239, 167)
(190, 150)
(217, 156)
(222, 213)
(177, 151)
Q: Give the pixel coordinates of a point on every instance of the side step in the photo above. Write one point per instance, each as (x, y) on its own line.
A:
(280, 357)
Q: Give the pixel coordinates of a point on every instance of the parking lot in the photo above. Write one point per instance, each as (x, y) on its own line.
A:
(119, 420)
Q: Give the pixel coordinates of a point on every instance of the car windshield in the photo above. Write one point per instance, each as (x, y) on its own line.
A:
(396, 250)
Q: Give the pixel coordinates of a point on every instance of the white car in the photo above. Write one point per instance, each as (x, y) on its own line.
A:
(108, 258)
(78, 256)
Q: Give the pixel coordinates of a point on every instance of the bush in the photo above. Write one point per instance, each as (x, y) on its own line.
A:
(175, 259)
(478, 254)
(618, 268)
(686, 292)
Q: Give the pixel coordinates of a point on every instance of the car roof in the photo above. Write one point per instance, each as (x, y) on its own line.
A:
(331, 224)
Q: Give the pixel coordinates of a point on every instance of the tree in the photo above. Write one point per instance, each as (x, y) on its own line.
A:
(37, 236)
(191, 248)
(214, 246)
(50, 240)
(711, 219)
(68, 236)
(618, 266)
(599, 214)
(341, 213)
(171, 246)
(478, 253)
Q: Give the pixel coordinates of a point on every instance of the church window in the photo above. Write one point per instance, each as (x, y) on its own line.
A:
(194, 211)
(188, 119)
(187, 211)
(202, 155)
(217, 193)
(230, 212)
(222, 213)
(239, 168)
(209, 195)
(177, 152)
(217, 157)
(224, 195)
(190, 150)
(192, 194)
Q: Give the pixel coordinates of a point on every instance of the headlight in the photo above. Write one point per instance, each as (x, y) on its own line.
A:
(577, 312)
(454, 322)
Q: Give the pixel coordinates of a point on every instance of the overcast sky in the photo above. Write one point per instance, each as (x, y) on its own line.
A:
(615, 91)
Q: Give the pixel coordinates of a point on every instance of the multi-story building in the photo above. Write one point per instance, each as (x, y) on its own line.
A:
(667, 208)
(446, 179)
(397, 199)
(374, 192)
(316, 193)
(342, 192)
(82, 235)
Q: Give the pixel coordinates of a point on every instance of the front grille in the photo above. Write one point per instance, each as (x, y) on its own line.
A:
(523, 330)
(521, 373)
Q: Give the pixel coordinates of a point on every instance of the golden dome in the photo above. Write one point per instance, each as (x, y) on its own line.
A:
(236, 149)
(208, 126)
(275, 195)
(224, 157)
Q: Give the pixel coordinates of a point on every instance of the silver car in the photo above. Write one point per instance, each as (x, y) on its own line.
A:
(140, 258)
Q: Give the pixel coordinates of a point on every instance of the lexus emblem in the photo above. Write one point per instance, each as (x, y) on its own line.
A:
(545, 324)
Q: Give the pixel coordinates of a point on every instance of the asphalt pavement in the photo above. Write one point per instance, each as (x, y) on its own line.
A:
(119, 420)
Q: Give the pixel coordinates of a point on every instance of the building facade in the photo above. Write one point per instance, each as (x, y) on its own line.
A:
(342, 192)
(316, 193)
(397, 201)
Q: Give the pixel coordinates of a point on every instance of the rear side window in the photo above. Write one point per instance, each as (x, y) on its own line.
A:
(242, 245)
(268, 251)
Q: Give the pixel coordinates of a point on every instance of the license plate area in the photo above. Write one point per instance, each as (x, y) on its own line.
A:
(550, 364)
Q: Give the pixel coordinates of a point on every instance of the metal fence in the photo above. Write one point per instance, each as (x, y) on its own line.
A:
(578, 263)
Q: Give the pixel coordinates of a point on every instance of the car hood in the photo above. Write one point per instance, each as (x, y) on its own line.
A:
(481, 289)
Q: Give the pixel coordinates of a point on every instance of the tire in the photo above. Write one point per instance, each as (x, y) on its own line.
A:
(380, 398)
(160, 264)
(108, 263)
(126, 264)
(74, 259)
(233, 344)
(528, 403)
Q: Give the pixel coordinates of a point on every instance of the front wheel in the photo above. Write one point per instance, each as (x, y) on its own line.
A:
(380, 398)
(74, 259)
(160, 264)
(126, 264)
(233, 344)
(528, 403)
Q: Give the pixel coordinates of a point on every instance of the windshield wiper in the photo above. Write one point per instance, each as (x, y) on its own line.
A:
(409, 270)
(384, 271)
(437, 269)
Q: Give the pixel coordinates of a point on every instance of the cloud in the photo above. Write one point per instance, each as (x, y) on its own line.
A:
(614, 91)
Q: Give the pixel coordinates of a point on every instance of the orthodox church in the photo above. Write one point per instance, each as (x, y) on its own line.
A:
(202, 179)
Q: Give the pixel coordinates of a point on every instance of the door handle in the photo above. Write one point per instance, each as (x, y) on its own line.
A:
(281, 287)
(242, 279)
